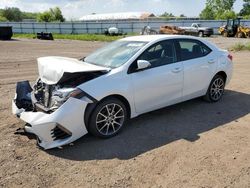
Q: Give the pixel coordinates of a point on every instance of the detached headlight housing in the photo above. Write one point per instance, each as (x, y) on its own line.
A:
(76, 93)
(60, 96)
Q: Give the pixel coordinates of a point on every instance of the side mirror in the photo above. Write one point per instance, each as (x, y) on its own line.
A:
(142, 64)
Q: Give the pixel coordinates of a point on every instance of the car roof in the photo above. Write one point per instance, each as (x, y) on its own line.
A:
(151, 38)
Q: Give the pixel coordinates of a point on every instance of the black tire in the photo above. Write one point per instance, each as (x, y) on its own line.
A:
(240, 35)
(216, 89)
(111, 122)
(248, 34)
(201, 34)
(225, 34)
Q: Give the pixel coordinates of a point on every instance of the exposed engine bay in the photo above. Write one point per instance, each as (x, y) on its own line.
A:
(48, 98)
(56, 93)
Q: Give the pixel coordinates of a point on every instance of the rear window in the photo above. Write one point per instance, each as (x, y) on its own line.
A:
(190, 49)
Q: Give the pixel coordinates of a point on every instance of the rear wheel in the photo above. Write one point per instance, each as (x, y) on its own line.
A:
(215, 89)
(248, 34)
(108, 118)
(240, 35)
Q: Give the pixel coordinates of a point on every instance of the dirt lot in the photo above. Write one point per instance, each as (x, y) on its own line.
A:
(192, 144)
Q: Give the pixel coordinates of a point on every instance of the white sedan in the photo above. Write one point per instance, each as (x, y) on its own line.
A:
(122, 80)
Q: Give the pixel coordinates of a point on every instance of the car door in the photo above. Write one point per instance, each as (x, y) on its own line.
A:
(160, 84)
(194, 29)
(199, 66)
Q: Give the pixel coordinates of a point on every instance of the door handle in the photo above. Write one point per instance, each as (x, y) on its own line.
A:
(176, 70)
(211, 61)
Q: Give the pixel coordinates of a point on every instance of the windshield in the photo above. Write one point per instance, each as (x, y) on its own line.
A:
(114, 54)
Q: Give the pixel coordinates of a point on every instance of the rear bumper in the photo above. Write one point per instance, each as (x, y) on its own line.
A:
(61, 127)
(229, 73)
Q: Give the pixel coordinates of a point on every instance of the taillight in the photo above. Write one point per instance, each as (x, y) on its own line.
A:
(230, 57)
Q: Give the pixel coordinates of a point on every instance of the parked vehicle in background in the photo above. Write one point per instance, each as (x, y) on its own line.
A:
(6, 32)
(195, 29)
(166, 29)
(44, 36)
(120, 81)
(146, 30)
(113, 31)
(198, 30)
(233, 28)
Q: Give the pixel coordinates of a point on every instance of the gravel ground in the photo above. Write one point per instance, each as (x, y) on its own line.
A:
(192, 144)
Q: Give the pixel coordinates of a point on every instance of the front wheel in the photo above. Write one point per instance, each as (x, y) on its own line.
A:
(201, 34)
(225, 34)
(215, 89)
(108, 118)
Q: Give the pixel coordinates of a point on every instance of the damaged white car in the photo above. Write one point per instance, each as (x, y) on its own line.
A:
(122, 80)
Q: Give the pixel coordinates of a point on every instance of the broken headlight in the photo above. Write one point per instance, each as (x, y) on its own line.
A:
(60, 96)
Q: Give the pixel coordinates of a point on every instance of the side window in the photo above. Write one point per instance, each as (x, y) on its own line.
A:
(190, 49)
(159, 54)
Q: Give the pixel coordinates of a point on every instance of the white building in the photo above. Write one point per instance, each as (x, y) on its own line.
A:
(117, 16)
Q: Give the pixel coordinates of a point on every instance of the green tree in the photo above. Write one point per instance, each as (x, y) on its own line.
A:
(167, 15)
(245, 11)
(207, 13)
(44, 17)
(221, 5)
(29, 15)
(53, 15)
(12, 14)
(228, 14)
(57, 14)
(247, 17)
(218, 9)
(3, 19)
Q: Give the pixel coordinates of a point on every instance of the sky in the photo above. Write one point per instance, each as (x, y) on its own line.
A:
(74, 9)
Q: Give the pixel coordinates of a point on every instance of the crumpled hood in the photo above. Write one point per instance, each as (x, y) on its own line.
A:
(51, 69)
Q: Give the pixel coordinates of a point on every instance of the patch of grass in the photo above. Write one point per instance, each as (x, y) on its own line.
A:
(240, 47)
(28, 36)
(84, 37)
(248, 46)
(87, 37)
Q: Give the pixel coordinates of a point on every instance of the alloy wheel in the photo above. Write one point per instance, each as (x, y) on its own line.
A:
(110, 119)
(217, 89)
(200, 34)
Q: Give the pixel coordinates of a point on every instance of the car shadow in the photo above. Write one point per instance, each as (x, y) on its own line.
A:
(186, 120)
(10, 40)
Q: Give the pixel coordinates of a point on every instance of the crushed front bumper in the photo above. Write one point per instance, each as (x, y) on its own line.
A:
(61, 127)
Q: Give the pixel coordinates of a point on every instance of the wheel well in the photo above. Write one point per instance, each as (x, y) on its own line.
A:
(223, 74)
(91, 106)
(122, 99)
